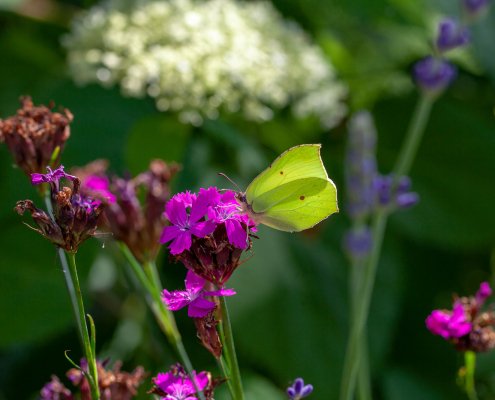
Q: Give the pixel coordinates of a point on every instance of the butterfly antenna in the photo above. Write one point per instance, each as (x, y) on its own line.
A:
(230, 180)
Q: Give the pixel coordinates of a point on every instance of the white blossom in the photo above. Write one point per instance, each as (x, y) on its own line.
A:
(201, 58)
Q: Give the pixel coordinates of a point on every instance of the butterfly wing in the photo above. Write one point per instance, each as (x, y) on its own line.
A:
(297, 205)
(294, 193)
(298, 162)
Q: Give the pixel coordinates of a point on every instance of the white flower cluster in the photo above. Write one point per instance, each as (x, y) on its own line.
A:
(199, 58)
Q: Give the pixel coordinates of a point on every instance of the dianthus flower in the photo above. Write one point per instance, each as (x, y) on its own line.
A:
(203, 58)
(35, 136)
(208, 233)
(177, 385)
(194, 297)
(134, 212)
(75, 216)
(466, 325)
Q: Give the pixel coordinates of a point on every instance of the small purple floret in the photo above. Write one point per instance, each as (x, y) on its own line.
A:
(51, 176)
(357, 243)
(451, 34)
(449, 324)
(193, 297)
(298, 390)
(433, 75)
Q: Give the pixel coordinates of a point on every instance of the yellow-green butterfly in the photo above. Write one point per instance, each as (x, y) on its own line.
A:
(294, 193)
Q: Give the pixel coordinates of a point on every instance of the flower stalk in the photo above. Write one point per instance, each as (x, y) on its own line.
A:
(148, 278)
(470, 367)
(88, 344)
(230, 353)
(360, 310)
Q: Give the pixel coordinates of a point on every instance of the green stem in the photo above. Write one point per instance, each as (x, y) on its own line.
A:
(151, 286)
(81, 316)
(470, 361)
(230, 353)
(360, 312)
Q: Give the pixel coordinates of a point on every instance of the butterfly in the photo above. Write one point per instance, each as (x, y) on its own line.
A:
(293, 194)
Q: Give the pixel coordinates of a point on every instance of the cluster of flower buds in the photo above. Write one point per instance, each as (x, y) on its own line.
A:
(176, 384)
(75, 216)
(298, 390)
(113, 383)
(466, 326)
(433, 74)
(35, 136)
(138, 225)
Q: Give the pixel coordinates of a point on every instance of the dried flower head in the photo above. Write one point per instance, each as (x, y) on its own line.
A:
(466, 326)
(138, 224)
(75, 216)
(203, 58)
(35, 136)
(55, 390)
(208, 234)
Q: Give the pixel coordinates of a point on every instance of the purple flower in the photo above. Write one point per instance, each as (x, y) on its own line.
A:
(449, 324)
(299, 390)
(226, 211)
(357, 243)
(187, 215)
(55, 390)
(474, 8)
(483, 293)
(194, 297)
(433, 75)
(393, 196)
(51, 176)
(177, 385)
(451, 34)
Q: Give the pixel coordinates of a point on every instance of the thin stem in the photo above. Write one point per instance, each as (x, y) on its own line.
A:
(470, 361)
(229, 349)
(151, 286)
(81, 315)
(360, 313)
(225, 372)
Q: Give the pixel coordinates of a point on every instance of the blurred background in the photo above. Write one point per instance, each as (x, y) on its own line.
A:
(290, 316)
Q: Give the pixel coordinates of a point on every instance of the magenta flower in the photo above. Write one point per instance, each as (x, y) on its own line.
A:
(226, 211)
(180, 386)
(449, 324)
(184, 223)
(99, 186)
(51, 176)
(193, 297)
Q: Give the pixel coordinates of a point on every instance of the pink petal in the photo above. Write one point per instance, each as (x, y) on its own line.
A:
(176, 300)
(236, 233)
(200, 308)
(201, 379)
(193, 281)
(182, 242)
(169, 233)
(221, 292)
(163, 381)
(206, 198)
(176, 212)
(201, 229)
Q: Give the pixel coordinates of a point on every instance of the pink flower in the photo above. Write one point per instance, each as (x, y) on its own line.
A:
(193, 297)
(176, 385)
(51, 176)
(187, 215)
(449, 324)
(483, 293)
(99, 185)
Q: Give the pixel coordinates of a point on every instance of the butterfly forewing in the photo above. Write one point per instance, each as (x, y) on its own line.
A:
(297, 205)
(299, 162)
